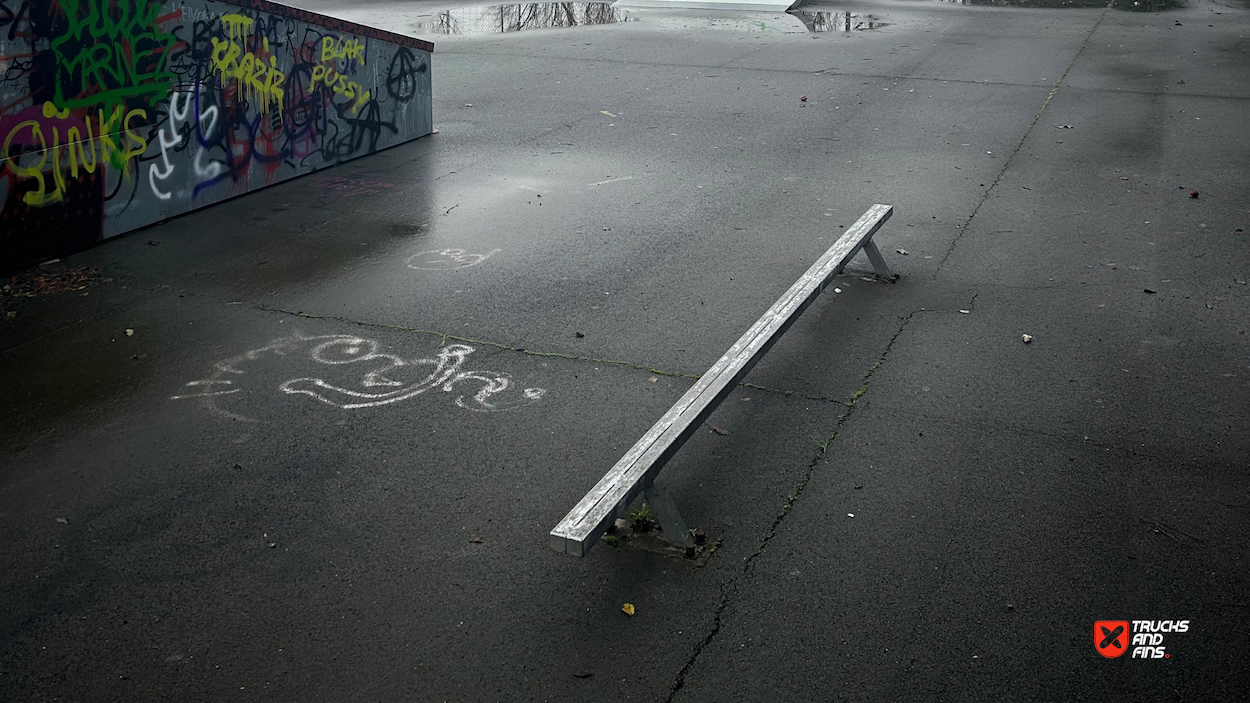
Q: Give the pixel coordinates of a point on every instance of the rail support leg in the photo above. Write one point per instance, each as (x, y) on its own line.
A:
(878, 262)
(674, 527)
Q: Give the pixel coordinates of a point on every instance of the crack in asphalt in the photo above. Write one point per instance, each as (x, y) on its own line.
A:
(730, 586)
(963, 229)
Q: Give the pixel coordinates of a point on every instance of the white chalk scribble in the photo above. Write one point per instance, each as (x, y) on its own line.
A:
(447, 259)
(383, 378)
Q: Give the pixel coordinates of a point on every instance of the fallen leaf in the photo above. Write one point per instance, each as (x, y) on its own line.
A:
(130, 332)
(653, 379)
(272, 545)
(1147, 290)
(965, 312)
(804, 98)
(859, 486)
(1239, 231)
(902, 251)
(153, 243)
(579, 335)
(628, 609)
(476, 540)
(607, 113)
(583, 674)
(850, 514)
(468, 104)
(719, 430)
(11, 313)
(1063, 126)
(1193, 193)
(238, 468)
(62, 520)
(1026, 338)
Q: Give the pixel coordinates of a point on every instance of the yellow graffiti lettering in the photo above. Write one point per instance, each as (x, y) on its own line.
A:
(141, 144)
(339, 83)
(108, 130)
(38, 196)
(332, 49)
(103, 147)
(237, 26)
(74, 140)
(50, 111)
(225, 55)
(254, 78)
(273, 86)
(57, 176)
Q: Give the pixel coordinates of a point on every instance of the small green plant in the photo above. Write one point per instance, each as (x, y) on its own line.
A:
(642, 519)
(611, 540)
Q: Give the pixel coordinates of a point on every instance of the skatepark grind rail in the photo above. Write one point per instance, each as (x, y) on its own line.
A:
(636, 472)
(115, 114)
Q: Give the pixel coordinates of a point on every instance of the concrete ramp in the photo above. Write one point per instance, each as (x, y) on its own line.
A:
(117, 114)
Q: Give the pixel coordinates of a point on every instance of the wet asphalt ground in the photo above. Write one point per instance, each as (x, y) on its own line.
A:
(218, 506)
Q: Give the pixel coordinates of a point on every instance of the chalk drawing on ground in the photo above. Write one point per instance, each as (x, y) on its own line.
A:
(350, 373)
(447, 259)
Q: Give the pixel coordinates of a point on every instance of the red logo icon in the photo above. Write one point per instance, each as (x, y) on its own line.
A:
(1111, 637)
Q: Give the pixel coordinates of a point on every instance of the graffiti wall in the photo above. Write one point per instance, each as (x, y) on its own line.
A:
(115, 114)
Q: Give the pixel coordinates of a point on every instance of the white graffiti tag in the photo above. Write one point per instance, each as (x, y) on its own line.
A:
(172, 136)
(447, 259)
(365, 376)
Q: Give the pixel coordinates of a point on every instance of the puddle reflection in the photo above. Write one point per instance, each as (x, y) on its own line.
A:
(838, 21)
(501, 19)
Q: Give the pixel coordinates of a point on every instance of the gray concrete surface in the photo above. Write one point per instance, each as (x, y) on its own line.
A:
(262, 545)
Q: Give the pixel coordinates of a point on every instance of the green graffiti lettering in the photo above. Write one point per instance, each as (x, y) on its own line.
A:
(111, 52)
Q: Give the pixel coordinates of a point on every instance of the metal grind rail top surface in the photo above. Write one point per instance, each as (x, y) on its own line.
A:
(611, 496)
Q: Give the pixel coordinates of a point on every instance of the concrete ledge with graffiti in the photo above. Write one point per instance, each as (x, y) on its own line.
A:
(115, 114)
